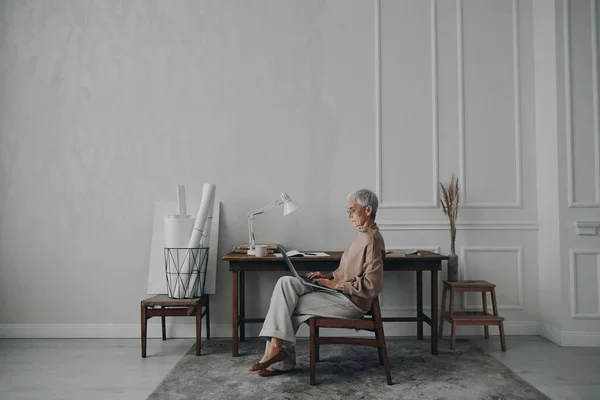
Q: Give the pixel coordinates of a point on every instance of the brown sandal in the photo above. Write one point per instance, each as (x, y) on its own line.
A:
(266, 372)
(276, 358)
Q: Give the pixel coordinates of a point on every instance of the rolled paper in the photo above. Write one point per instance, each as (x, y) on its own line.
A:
(181, 200)
(204, 242)
(206, 204)
(178, 231)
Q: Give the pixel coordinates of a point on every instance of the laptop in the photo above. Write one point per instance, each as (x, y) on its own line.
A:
(305, 281)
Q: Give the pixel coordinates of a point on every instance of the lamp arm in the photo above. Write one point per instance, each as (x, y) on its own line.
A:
(266, 208)
(251, 239)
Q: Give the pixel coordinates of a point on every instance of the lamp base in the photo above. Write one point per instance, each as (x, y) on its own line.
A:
(251, 252)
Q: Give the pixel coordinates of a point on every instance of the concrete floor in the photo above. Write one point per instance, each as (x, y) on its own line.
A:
(113, 369)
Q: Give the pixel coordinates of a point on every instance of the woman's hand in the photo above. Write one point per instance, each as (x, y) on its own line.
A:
(330, 284)
(316, 275)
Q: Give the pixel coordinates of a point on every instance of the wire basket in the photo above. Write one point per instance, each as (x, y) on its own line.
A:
(185, 269)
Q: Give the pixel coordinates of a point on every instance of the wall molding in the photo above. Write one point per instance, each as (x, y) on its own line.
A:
(461, 226)
(587, 228)
(435, 117)
(596, 89)
(494, 249)
(573, 203)
(573, 253)
(517, 112)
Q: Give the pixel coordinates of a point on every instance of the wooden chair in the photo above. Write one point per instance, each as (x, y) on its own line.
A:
(163, 306)
(484, 318)
(373, 324)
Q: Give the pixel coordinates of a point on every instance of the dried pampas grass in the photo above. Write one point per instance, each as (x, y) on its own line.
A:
(449, 199)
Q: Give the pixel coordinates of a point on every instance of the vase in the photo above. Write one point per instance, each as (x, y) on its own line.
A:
(452, 267)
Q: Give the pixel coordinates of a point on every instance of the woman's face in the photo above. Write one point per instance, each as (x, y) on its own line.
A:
(360, 216)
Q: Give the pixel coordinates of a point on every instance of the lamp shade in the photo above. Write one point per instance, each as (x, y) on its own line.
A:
(288, 205)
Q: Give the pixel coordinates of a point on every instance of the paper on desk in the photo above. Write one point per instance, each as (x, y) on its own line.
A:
(296, 253)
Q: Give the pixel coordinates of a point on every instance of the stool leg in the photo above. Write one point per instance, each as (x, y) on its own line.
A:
(313, 342)
(501, 325)
(207, 317)
(144, 323)
(494, 304)
(163, 321)
(442, 312)
(502, 337)
(486, 329)
(198, 328)
(451, 313)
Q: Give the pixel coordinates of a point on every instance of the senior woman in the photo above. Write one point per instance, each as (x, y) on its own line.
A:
(358, 279)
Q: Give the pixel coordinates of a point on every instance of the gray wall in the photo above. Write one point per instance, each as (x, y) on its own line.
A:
(105, 106)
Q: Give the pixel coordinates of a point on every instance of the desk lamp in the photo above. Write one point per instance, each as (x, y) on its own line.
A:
(288, 207)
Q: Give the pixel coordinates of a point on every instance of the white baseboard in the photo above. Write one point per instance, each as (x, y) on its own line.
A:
(188, 330)
(550, 333)
(570, 338)
(107, 331)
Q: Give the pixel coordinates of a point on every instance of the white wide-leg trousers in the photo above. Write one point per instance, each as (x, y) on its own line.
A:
(292, 303)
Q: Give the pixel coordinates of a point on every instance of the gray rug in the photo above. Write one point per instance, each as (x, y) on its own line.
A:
(346, 372)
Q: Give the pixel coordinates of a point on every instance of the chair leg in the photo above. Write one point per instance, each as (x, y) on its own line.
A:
(317, 354)
(207, 318)
(198, 328)
(379, 346)
(486, 329)
(453, 342)
(442, 312)
(163, 321)
(502, 337)
(383, 350)
(313, 340)
(381, 339)
(144, 323)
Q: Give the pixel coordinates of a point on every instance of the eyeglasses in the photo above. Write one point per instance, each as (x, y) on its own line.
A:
(351, 210)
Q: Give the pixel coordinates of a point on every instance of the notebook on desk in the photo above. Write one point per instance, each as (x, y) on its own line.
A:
(303, 279)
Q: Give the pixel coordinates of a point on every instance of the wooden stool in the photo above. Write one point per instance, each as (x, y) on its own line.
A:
(472, 317)
(175, 308)
(373, 324)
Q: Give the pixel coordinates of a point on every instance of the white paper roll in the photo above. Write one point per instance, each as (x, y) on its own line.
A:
(206, 205)
(181, 201)
(178, 230)
(204, 242)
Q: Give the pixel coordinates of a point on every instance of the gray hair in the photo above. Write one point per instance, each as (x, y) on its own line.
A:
(365, 197)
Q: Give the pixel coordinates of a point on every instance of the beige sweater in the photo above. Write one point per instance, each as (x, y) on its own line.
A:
(361, 267)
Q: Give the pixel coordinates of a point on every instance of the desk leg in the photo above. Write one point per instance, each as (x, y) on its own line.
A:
(234, 333)
(419, 305)
(242, 306)
(434, 311)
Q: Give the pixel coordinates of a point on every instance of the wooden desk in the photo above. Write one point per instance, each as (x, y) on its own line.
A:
(239, 264)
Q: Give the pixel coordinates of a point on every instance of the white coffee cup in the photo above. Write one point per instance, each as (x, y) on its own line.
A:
(261, 250)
